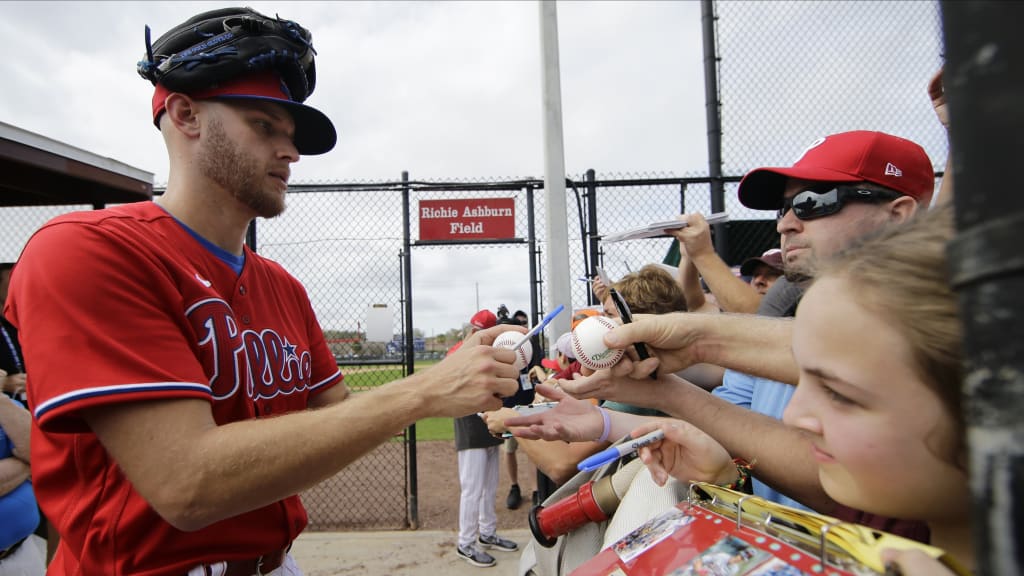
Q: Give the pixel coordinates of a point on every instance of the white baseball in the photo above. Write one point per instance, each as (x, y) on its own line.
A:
(509, 340)
(588, 343)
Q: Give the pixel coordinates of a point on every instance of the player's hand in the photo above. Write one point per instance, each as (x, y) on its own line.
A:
(686, 454)
(913, 563)
(695, 237)
(495, 420)
(475, 377)
(572, 420)
(937, 92)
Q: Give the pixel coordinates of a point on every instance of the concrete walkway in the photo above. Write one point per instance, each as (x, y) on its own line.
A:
(399, 553)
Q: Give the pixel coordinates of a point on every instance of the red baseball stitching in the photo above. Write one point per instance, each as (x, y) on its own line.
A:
(581, 355)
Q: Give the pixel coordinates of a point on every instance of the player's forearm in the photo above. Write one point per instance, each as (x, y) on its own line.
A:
(223, 471)
(318, 448)
(751, 344)
(732, 293)
(13, 473)
(781, 454)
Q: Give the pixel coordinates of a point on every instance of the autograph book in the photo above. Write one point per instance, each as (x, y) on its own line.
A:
(727, 533)
(658, 229)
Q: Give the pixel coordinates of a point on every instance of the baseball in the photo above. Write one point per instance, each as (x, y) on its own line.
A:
(588, 343)
(509, 340)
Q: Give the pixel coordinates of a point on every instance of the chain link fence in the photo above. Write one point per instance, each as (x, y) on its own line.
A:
(789, 73)
(345, 247)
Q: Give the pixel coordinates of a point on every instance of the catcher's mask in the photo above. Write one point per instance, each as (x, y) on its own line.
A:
(238, 53)
(314, 132)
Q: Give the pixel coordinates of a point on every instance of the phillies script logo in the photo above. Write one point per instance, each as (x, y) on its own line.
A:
(265, 362)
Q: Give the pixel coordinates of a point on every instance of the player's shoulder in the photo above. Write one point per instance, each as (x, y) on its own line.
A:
(80, 235)
(139, 212)
(142, 211)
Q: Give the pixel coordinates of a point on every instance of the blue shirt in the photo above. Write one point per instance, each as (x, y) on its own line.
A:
(763, 396)
(18, 507)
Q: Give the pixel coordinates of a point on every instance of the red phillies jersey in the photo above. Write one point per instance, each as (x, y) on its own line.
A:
(123, 305)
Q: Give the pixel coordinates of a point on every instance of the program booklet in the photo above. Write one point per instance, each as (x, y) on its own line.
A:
(658, 229)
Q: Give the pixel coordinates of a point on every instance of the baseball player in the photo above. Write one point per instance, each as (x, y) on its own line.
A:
(173, 432)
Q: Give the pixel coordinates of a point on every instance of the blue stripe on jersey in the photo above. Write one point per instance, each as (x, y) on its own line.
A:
(325, 381)
(235, 262)
(76, 395)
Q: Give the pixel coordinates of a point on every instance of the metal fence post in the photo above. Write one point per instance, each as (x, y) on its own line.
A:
(593, 243)
(250, 235)
(713, 114)
(531, 232)
(410, 354)
(985, 89)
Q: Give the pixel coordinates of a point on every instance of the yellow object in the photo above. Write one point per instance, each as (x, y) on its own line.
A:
(809, 530)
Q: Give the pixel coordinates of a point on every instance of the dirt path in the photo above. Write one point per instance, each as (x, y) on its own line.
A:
(369, 493)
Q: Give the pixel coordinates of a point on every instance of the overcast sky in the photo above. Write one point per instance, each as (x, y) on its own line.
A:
(451, 90)
(438, 89)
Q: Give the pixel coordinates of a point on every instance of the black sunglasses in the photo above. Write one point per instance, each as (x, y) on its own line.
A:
(811, 204)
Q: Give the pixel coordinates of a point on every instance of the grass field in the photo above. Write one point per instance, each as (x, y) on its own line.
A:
(435, 429)
(365, 378)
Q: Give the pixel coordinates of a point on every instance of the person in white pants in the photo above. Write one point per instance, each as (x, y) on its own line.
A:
(478, 478)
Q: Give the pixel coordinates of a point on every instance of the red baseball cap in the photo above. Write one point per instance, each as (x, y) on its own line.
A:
(771, 258)
(860, 156)
(483, 320)
(314, 132)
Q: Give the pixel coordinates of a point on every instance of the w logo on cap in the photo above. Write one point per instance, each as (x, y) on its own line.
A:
(891, 170)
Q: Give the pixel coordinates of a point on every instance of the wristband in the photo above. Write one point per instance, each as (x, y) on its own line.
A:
(743, 469)
(607, 424)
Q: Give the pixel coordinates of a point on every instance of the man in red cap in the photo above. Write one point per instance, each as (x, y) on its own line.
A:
(843, 186)
(176, 429)
(477, 453)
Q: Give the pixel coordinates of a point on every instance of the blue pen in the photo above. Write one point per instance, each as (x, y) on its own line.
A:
(615, 452)
(540, 326)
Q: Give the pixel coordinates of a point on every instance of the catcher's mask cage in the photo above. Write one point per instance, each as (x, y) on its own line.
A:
(219, 48)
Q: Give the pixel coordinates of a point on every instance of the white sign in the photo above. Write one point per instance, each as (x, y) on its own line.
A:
(378, 324)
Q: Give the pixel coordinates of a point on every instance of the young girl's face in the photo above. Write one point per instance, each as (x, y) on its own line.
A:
(883, 440)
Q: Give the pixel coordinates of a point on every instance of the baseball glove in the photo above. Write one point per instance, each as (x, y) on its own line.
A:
(220, 45)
